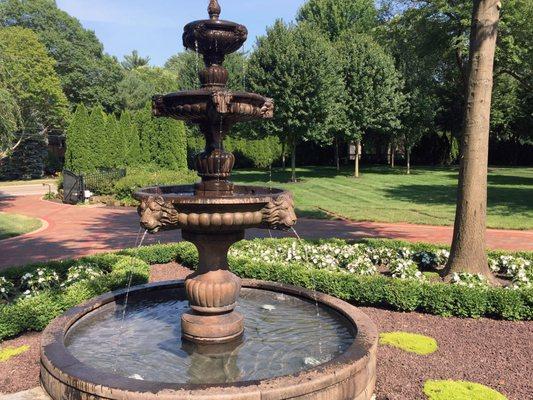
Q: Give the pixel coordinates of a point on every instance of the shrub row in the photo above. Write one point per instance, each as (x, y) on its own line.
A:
(34, 313)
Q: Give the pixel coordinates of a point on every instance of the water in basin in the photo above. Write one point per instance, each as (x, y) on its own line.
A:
(284, 335)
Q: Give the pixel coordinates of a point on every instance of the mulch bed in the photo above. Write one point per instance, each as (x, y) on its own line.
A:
(494, 353)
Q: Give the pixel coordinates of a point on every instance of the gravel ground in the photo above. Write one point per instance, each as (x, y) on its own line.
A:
(495, 353)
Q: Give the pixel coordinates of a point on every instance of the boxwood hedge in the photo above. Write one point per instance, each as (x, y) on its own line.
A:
(34, 313)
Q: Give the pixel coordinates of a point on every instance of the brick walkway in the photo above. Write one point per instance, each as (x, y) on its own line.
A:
(74, 231)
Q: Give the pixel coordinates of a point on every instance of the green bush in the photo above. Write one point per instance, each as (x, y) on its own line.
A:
(143, 177)
(35, 313)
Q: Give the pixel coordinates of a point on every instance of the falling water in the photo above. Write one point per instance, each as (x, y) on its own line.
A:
(126, 298)
(138, 236)
(197, 57)
(315, 286)
(219, 147)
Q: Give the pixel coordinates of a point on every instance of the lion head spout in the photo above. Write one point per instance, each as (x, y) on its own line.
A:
(156, 214)
(279, 213)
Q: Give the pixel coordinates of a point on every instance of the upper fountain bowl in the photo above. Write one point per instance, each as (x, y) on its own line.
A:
(214, 38)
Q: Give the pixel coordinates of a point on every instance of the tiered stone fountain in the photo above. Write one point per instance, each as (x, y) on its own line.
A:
(290, 343)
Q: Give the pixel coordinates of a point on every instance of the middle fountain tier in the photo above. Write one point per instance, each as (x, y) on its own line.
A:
(214, 213)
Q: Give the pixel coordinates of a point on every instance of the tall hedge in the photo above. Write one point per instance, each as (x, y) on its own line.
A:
(97, 140)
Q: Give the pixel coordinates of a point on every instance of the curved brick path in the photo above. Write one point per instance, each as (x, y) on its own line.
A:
(74, 231)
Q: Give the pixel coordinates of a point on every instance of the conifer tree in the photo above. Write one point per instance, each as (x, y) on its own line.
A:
(97, 139)
(130, 135)
(114, 145)
(78, 156)
(143, 122)
(169, 144)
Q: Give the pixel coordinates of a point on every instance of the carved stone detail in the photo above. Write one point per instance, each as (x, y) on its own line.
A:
(279, 213)
(157, 214)
(267, 111)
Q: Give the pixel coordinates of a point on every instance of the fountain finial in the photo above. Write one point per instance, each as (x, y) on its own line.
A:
(214, 9)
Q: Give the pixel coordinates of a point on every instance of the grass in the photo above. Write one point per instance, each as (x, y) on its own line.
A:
(12, 225)
(27, 183)
(460, 390)
(382, 194)
(411, 342)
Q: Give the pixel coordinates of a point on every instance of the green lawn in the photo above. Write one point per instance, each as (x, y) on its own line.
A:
(14, 225)
(427, 196)
(26, 183)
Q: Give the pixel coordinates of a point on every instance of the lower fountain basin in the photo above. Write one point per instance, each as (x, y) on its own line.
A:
(297, 344)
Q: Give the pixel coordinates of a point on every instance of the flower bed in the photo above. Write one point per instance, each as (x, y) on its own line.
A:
(375, 273)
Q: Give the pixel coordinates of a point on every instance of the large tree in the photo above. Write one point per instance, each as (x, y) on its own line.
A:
(31, 99)
(87, 74)
(140, 84)
(334, 17)
(372, 94)
(468, 253)
(298, 68)
(134, 60)
(9, 123)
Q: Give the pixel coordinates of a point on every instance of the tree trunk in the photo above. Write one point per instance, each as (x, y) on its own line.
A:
(357, 147)
(389, 152)
(392, 152)
(293, 161)
(337, 154)
(468, 253)
(408, 151)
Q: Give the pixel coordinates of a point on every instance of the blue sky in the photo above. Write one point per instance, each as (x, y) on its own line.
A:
(154, 27)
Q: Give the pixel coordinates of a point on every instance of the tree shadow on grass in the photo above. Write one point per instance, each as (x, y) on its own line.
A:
(508, 200)
(502, 180)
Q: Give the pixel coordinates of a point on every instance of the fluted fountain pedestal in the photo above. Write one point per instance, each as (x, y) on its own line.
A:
(212, 291)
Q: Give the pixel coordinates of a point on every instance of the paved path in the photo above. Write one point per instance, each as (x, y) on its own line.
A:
(74, 231)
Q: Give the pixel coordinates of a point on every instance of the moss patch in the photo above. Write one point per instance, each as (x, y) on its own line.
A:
(410, 342)
(460, 390)
(10, 352)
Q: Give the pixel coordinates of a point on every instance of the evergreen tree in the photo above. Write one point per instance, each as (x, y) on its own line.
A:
(145, 128)
(78, 156)
(114, 149)
(98, 138)
(130, 135)
(169, 144)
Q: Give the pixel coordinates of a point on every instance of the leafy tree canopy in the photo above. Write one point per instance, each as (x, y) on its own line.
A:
(134, 60)
(27, 73)
(372, 96)
(188, 64)
(298, 68)
(333, 17)
(87, 74)
(140, 84)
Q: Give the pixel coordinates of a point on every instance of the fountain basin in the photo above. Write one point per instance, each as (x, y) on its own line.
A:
(181, 207)
(219, 105)
(348, 374)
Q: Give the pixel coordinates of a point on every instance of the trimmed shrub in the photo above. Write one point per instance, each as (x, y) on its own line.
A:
(143, 177)
(35, 313)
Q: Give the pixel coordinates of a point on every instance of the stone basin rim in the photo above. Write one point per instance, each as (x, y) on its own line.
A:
(185, 194)
(60, 367)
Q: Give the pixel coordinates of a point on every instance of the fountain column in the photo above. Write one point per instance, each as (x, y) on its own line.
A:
(212, 290)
